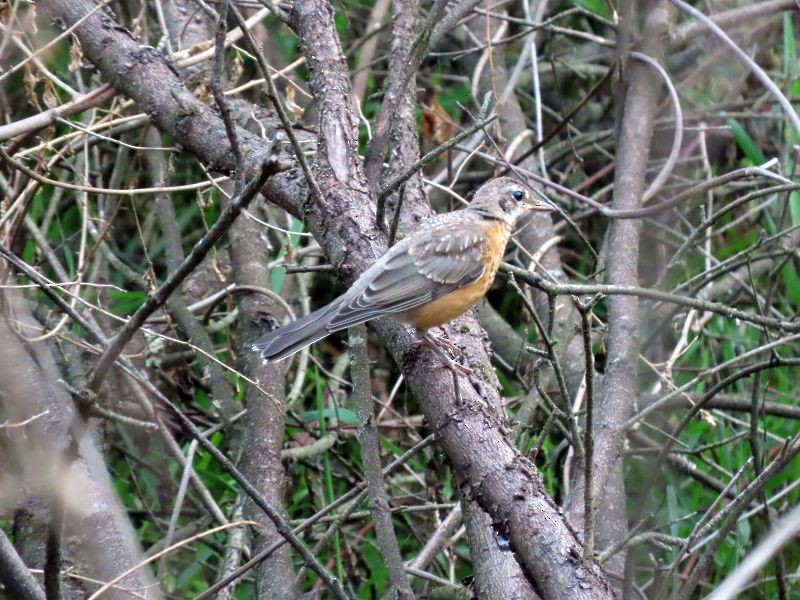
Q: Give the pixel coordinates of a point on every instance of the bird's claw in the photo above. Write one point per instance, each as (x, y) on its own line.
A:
(442, 342)
(439, 344)
(455, 367)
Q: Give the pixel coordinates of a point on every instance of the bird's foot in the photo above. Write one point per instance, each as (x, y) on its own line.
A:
(417, 344)
(442, 342)
(439, 344)
(454, 366)
(434, 341)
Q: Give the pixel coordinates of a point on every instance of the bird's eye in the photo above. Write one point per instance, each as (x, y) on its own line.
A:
(518, 195)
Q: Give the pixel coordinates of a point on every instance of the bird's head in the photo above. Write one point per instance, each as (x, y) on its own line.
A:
(508, 199)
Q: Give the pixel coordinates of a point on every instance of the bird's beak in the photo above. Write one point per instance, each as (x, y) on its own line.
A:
(539, 205)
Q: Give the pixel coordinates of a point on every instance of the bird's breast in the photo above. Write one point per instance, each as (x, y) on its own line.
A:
(446, 308)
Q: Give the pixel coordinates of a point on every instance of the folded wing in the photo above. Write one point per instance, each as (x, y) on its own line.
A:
(415, 272)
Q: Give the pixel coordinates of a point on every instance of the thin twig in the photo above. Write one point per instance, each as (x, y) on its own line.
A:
(392, 185)
(780, 535)
(396, 86)
(585, 308)
(158, 297)
(110, 584)
(707, 515)
(98, 190)
(729, 514)
(674, 153)
(222, 103)
(396, 220)
(552, 357)
(558, 289)
(280, 108)
(281, 525)
(355, 494)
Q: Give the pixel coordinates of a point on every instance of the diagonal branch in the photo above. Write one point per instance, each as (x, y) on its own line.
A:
(495, 474)
(157, 298)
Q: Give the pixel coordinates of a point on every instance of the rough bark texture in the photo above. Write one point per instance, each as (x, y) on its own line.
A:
(259, 436)
(143, 74)
(404, 146)
(498, 570)
(716, 232)
(497, 573)
(15, 575)
(475, 439)
(534, 232)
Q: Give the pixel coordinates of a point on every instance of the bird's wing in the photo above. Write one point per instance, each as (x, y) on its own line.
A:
(416, 271)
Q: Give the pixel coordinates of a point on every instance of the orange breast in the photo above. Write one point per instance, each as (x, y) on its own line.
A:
(456, 303)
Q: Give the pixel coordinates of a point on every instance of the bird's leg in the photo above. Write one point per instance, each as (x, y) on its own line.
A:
(438, 344)
(442, 342)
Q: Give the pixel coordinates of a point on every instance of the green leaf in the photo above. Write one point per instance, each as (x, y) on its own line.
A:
(673, 511)
(327, 472)
(746, 143)
(277, 276)
(596, 6)
(391, 446)
(29, 252)
(343, 415)
(791, 280)
(126, 302)
(195, 567)
(794, 207)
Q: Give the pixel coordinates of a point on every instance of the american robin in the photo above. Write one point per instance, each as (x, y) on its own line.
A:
(427, 279)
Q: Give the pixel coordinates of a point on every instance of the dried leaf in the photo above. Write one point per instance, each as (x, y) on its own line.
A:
(31, 26)
(296, 110)
(708, 417)
(204, 199)
(203, 93)
(5, 11)
(237, 68)
(136, 28)
(200, 47)
(49, 95)
(76, 61)
(437, 127)
(288, 251)
(29, 81)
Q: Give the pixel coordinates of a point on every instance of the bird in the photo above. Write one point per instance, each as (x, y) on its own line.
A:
(427, 279)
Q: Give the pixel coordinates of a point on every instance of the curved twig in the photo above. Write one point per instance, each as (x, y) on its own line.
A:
(677, 140)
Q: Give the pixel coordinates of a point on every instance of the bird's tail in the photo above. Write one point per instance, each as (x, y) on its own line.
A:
(293, 337)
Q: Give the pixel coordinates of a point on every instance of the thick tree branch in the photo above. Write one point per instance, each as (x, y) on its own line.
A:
(619, 389)
(14, 573)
